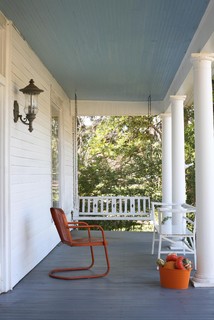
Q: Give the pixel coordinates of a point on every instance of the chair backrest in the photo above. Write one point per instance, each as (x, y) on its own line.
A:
(179, 220)
(61, 224)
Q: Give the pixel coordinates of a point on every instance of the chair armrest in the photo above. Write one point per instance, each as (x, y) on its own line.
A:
(84, 225)
(76, 223)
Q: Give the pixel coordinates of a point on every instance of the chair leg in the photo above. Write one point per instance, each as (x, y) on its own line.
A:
(159, 246)
(92, 258)
(153, 241)
(53, 273)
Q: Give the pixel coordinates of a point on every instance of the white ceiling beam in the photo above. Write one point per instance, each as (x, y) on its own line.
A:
(203, 41)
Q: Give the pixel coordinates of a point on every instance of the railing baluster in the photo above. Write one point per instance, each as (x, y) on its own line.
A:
(120, 205)
(83, 205)
(132, 205)
(138, 205)
(101, 205)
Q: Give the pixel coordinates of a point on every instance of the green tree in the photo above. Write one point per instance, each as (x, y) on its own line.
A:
(120, 156)
(190, 154)
(123, 156)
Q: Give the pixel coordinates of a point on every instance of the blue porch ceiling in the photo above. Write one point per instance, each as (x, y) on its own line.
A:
(114, 50)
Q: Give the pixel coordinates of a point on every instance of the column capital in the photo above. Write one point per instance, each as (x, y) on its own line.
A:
(202, 56)
(177, 98)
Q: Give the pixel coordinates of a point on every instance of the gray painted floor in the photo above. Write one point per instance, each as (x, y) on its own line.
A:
(130, 291)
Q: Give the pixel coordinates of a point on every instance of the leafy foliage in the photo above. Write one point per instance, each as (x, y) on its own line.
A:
(190, 154)
(122, 156)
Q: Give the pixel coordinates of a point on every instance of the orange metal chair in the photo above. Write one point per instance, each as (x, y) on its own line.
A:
(63, 227)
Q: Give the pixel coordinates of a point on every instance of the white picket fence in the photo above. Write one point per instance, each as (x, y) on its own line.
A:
(113, 208)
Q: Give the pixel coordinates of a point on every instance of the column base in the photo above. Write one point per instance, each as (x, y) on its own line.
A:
(198, 282)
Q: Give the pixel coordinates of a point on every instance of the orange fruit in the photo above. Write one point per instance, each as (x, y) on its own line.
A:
(169, 265)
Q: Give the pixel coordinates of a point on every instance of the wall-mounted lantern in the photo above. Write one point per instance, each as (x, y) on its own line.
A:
(31, 93)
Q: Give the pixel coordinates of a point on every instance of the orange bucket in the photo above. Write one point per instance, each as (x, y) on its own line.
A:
(174, 278)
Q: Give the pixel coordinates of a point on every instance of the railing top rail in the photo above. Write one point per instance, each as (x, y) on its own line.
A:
(114, 197)
(173, 204)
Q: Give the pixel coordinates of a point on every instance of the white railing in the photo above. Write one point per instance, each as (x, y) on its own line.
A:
(113, 208)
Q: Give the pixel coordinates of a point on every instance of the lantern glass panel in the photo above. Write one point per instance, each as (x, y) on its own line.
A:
(31, 104)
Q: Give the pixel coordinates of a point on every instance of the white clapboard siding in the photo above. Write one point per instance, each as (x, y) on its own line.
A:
(33, 232)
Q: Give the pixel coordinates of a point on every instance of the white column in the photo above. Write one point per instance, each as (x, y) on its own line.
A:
(178, 161)
(167, 166)
(166, 158)
(178, 157)
(204, 158)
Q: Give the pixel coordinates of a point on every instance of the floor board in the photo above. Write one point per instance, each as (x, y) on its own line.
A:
(131, 290)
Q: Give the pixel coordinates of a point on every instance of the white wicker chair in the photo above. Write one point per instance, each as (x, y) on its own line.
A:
(174, 229)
